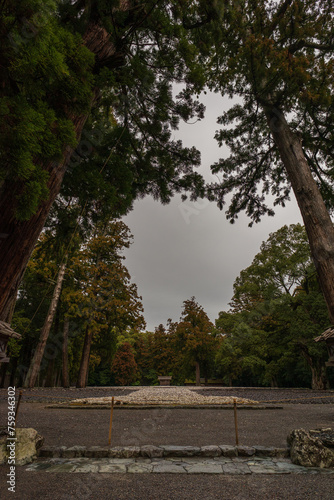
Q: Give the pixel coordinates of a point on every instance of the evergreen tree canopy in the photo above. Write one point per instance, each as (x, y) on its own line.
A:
(50, 76)
(106, 66)
(276, 57)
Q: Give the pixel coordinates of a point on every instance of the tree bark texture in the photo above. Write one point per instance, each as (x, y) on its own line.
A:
(84, 364)
(39, 352)
(198, 374)
(65, 374)
(318, 224)
(318, 370)
(18, 238)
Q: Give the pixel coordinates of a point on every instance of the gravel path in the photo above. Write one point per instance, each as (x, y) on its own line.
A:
(288, 396)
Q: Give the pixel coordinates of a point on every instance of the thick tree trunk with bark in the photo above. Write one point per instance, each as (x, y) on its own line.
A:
(84, 364)
(318, 370)
(65, 374)
(39, 352)
(198, 374)
(17, 239)
(318, 224)
(319, 379)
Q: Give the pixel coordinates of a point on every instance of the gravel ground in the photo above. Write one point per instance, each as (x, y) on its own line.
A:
(31, 486)
(288, 396)
(89, 427)
(187, 427)
(58, 394)
(170, 426)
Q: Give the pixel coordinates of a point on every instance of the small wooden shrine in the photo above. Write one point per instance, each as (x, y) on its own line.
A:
(6, 332)
(328, 337)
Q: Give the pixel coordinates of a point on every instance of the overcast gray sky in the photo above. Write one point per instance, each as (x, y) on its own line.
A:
(189, 248)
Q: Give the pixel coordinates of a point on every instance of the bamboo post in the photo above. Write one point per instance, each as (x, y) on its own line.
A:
(18, 405)
(111, 415)
(236, 422)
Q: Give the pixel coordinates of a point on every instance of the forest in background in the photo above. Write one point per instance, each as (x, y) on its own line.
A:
(265, 339)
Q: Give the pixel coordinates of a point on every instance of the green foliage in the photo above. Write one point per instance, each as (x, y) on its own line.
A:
(156, 354)
(268, 55)
(278, 310)
(97, 294)
(283, 263)
(47, 75)
(47, 86)
(195, 338)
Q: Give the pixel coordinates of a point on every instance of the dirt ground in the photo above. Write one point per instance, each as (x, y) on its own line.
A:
(170, 426)
(197, 427)
(194, 427)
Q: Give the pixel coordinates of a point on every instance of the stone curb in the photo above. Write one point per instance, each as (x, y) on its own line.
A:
(151, 451)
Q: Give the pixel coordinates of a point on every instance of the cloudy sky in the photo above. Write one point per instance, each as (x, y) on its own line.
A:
(188, 248)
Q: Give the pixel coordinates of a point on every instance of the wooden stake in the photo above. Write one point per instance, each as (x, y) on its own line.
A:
(18, 404)
(236, 422)
(110, 424)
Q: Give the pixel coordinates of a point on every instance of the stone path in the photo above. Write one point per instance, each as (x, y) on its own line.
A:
(184, 465)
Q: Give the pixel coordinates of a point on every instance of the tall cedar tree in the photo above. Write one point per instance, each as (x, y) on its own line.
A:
(60, 61)
(194, 336)
(277, 58)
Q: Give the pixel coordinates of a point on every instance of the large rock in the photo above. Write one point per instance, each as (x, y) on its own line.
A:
(28, 441)
(314, 448)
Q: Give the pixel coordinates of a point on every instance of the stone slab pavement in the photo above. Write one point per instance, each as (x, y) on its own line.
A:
(174, 465)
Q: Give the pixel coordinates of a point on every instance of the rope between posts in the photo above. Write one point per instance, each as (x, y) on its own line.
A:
(234, 402)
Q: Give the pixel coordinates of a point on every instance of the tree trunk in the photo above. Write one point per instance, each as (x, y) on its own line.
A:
(318, 370)
(84, 364)
(38, 355)
(273, 382)
(18, 238)
(3, 372)
(65, 375)
(318, 378)
(49, 376)
(198, 374)
(318, 224)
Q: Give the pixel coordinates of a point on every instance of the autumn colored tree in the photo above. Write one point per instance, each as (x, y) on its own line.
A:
(60, 240)
(97, 302)
(124, 366)
(103, 296)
